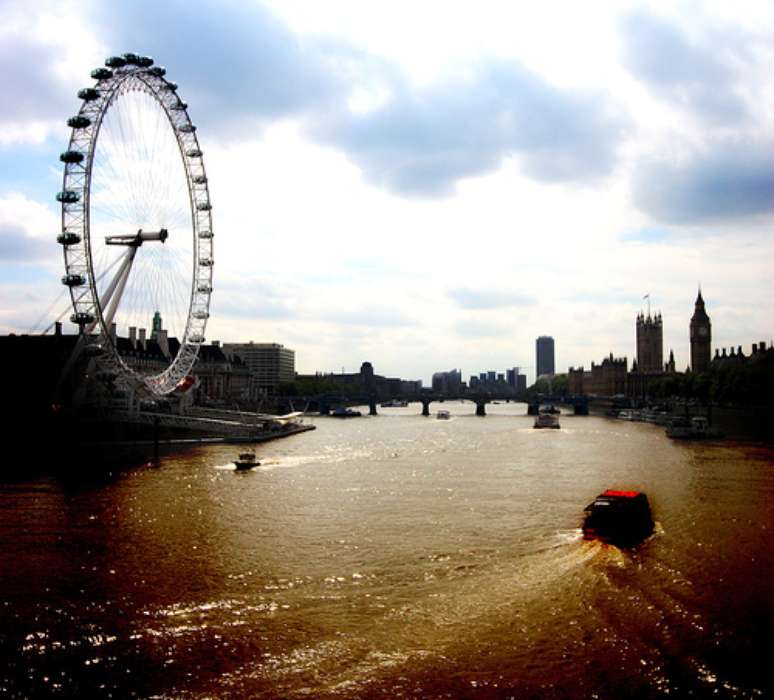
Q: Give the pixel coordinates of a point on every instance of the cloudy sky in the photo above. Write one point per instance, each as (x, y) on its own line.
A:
(431, 185)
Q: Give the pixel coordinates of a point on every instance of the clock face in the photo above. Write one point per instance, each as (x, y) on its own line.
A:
(702, 331)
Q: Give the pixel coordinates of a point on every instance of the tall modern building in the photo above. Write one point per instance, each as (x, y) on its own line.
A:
(544, 350)
(650, 343)
(510, 376)
(701, 337)
(270, 364)
(448, 382)
(515, 379)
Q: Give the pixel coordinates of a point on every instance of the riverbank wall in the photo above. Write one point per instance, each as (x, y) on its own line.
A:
(735, 422)
(81, 446)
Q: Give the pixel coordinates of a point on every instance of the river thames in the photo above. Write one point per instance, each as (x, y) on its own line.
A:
(395, 556)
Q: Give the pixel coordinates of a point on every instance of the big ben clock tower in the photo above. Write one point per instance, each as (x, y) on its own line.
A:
(701, 337)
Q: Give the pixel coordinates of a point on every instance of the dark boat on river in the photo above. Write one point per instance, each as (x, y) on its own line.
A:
(342, 412)
(618, 517)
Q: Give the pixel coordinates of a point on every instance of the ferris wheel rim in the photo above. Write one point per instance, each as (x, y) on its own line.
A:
(121, 74)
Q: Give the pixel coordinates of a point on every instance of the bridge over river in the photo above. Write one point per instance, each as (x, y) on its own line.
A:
(326, 402)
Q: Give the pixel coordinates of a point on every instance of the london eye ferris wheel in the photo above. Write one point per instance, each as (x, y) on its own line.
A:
(136, 219)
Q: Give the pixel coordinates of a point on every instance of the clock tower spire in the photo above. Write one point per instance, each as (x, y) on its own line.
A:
(701, 336)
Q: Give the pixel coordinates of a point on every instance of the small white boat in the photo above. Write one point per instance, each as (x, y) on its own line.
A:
(246, 461)
(443, 414)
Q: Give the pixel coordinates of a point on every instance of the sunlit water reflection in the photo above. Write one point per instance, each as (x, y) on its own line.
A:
(395, 556)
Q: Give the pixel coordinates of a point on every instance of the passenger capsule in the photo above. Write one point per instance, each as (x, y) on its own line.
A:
(158, 71)
(194, 153)
(196, 338)
(205, 262)
(67, 197)
(180, 106)
(79, 122)
(204, 288)
(144, 61)
(71, 157)
(101, 74)
(203, 206)
(88, 94)
(187, 129)
(201, 315)
(205, 234)
(132, 58)
(73, 280)
(82, 318)
(169, 85)
(115, 62)
(199, 179)
(68, 238)
(94, 349)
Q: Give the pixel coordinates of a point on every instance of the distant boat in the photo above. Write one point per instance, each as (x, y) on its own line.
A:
(698, 428)
(342, 412)
(547, 417)
(546, 420)
(656, 416)
(443, 415)
(627, 414)
(394, 403)
(246, 461)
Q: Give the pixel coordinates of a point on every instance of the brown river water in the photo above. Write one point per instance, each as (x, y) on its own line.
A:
(395, 557)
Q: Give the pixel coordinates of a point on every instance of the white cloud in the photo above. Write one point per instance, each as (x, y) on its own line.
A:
(318, 119)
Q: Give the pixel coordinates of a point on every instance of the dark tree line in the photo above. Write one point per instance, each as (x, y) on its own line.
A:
(746, 383)
(556, 386)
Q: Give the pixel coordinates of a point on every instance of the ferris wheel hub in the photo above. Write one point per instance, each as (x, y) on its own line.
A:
(136, 240)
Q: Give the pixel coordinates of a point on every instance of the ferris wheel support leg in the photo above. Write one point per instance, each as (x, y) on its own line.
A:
(111, 295)
(116, 289)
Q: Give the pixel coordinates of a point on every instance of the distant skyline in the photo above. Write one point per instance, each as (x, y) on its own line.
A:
(431, 186)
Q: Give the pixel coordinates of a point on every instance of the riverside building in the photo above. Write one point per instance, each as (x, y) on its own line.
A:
(544, 351)
(650, 343)
(269, 364)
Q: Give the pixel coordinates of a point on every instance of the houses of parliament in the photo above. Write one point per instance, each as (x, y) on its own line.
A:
(612, 376)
